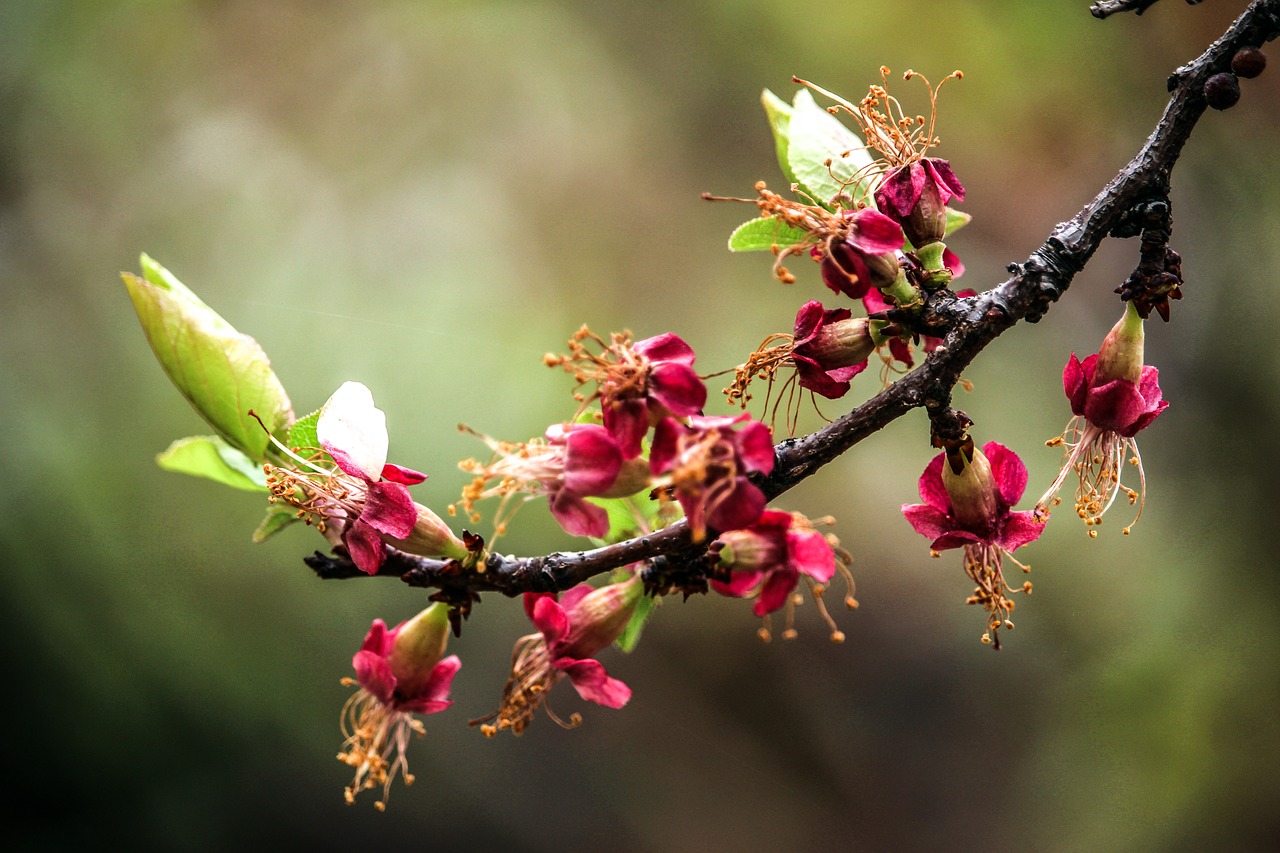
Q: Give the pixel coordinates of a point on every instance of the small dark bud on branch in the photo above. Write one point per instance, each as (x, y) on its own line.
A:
(1222, 90)
(1248, 62)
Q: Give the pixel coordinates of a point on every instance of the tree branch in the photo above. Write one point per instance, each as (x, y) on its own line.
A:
(1134, 201)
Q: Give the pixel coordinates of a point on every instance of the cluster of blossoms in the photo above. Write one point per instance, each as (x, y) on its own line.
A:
(640, 442)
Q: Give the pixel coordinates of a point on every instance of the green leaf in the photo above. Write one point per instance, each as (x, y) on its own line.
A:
(278, 517)
(209, 456)
(763, 233)
(779, 114)
(816, 137)
(222, 372)
(956, 219)
(629, 517)
(302, 432)
(631, 634)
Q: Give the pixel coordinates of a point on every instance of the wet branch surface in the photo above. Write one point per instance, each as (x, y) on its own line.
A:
(1123, 208)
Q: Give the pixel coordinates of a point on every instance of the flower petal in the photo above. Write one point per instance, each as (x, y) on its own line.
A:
(434, 696)
(577, 516)
(739, 585)
(809, 551)
(389, 509)
(593, 683)
(374, 674)
(819, 381)
(900, 190)
(740, 506)
(1007, 470)
(755, 444)
(677, 387)
(662, 453)
(665, 347)
(402, 475)
(354, 431)
(592, 460)
(628, 422)
(1019, 529)
(932, 491)
(549, 618)
(775, 591)
(942, 175)
(365, 546)
(1115, 405)
(874, 233)
(928, 521)
(378, 640)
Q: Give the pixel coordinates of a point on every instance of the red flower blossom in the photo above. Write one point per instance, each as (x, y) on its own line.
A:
(968, 497)
(571, 632)
(401, 672)
(1113, 396)
(575, 461)
(638, 384)
(867, 255)
(365, 503)
(706, 463)
(768, 558)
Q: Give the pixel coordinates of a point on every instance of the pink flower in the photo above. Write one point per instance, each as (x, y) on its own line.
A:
(571, 632)
(866, 257)
(707, 462)
(767, 559)
(575, 461)
(968, 497)
(354, 432)
(1117, 405)
(637, 384)
(365, 501)
(829, 348)
(915, 194)
(1113, 397)
(401, 672)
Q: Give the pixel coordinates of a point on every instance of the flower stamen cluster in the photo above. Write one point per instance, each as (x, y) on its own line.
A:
(637, 384)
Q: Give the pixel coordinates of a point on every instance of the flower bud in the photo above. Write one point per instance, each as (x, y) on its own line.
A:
(1222, 91)
(1121, 353)
(966, 476)
(418, 646)
(1248, 62)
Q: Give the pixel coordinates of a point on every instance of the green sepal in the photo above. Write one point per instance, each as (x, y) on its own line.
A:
(278, 517)
(816, 136)
(211, 457)
(220, 371)
(764, 233)
(631, 634)
(779, 114)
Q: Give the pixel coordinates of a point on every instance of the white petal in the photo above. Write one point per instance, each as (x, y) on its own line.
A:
(350, 424)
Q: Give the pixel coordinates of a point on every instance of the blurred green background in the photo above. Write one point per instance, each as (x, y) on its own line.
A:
(427, 196)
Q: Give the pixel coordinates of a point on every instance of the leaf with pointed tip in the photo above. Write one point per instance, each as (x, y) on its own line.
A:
(779, 114)
(826, 156)
(278, 517)
(209, 456)
(220, 371)
(765, 233)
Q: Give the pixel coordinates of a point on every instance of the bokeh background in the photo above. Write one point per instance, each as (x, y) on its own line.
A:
(427, 196)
